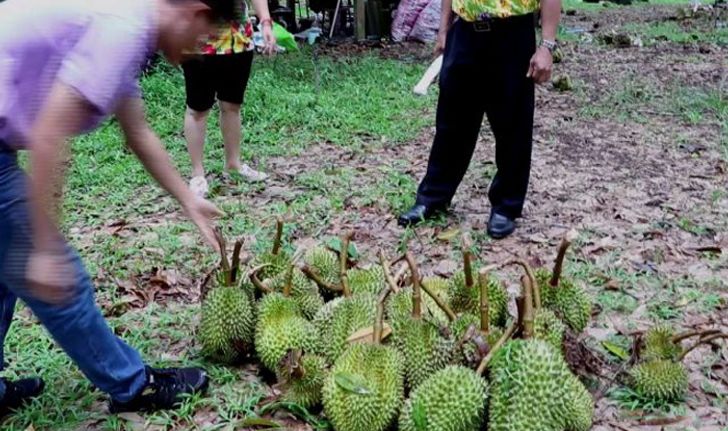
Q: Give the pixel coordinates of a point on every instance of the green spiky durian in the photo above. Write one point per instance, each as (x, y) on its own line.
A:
(303, 291)
(439, 286)
(452, 399)
(532, 389)
(305, 390)
(660, 380)
(351, 315)
(548, 327)
(425, 349)
(399, 308)
(365, 388)
(567, 300)
(326, 264)
(659, 344)
(369, 280)
(322, 320)
(281, 327)
(467, 300)
(227, 324)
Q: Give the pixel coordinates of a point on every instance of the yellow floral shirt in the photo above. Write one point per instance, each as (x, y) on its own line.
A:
(230, 37)
(476, 10)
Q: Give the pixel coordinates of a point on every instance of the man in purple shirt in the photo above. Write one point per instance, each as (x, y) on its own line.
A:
(64, 67)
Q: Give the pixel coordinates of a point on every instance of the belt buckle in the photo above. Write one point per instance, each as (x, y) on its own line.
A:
(483, 24)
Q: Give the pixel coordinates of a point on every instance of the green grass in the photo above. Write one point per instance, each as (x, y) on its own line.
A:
(672, 31)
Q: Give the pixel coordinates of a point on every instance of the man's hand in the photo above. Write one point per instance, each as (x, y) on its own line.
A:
(541, 65)
(202, 212)
(51, 276)
(269, 38)
(440, 42)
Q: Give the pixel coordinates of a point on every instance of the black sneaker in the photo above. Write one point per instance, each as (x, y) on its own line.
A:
(19, 392)
(165, 389)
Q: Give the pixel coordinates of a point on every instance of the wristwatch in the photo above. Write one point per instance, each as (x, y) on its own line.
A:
(549, 44)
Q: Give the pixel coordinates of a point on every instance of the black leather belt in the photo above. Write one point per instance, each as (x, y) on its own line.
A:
(486, 24)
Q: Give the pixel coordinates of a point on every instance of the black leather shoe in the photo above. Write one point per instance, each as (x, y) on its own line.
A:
(500, 226)
(417, 214)
(19, 392)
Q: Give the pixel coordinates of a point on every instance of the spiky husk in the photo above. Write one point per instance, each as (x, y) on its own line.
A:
(567, 300)
(306, 391)
(548, 327)
(227, 324)
(439, 286)
(379, 368)
(467, 353)
(425, 348)
(303, 291)
(281, 327)
(659, 345)
(464, 300)
(452, 399)
(368, 281)
(351, 315)
(326, 264)
(660, 380)
(276, 264)
(322, 320)
(532, 389)
(399, 308)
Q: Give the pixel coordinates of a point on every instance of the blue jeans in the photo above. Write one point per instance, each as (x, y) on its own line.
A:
(78, 327)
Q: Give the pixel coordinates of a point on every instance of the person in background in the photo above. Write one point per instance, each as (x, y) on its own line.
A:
(65, 66)
(219, 68)
(490, 65)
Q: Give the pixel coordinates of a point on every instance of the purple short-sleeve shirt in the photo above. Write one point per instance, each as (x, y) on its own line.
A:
(96, 47)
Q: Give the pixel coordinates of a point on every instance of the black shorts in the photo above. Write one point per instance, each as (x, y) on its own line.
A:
(224, 76)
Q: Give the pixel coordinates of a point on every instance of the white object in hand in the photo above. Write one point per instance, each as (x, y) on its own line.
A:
(429, 76)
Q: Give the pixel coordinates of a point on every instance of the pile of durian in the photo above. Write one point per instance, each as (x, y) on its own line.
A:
(378, 350)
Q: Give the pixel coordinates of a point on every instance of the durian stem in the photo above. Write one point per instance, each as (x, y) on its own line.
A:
(559, 263)
(236, 260)
(498, 344)
(700, 342)
(528, 315)
(401, 273)
(379, 319)
(277, 242)
(520, 304)
(313, 275)
(535, 291)
(451, 316)
(224, 262)
(387, 272)
(205, 285)
(685, 335)
(484, 311)
(467, 260)
(288, 286)
(256, 281)
(416, 286)
(343, 259)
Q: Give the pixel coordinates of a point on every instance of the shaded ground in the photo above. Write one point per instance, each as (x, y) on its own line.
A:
(635, 158)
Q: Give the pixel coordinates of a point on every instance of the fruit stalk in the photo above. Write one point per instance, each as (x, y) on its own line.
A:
(559, 263)
(416, 287)
(498, 344)
(535, 291)
(313, 275)
(379, 319)
(528, 314)
(467, 260)
(700, 342)
(236, 260)
(289, 282)
(256, 281)
(689, 334)
(451, 316)
(279, 236)
(224, 262)
(484, 312)
(343, 259)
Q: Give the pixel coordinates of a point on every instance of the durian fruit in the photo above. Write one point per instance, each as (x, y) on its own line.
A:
(660, 380)
(322, 320)
(324, 263)
(350, 315)
(532, 389)
(549, 328)
(281, 328)
(464, 292)
(228, 317)
(438, 286)
(303, 291)
(566, 299)
(303, 377)
(365, 388)
(368, 281)
(423, 345)
(659, 344)
(274, 262)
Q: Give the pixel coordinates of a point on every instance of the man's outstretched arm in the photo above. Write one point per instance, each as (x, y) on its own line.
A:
(149, 149)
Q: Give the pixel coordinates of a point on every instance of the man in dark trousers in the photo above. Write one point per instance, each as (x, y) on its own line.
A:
(491, 62)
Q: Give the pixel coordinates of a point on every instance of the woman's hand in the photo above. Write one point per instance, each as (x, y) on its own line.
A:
(269, 40)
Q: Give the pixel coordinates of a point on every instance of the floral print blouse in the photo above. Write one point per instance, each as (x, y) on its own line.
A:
(477, 10)
(230, 37)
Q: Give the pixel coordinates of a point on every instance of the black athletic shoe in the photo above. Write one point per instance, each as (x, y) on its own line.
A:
(19, 392)
(165, 389)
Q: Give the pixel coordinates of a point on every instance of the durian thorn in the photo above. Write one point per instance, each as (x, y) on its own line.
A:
(700, 342)
(313, 275)
(451, 316)
(467, 260)
(536, 292)
(278, 240)
(689, 334)
(343, 259)
(559, 262)
(224, 262)
(256, 281)
(484, 305)
(493, 350)
(379, 318)
(528, 314)
(236, 260)
(387, 272)
(416, 286)
(288, 286)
